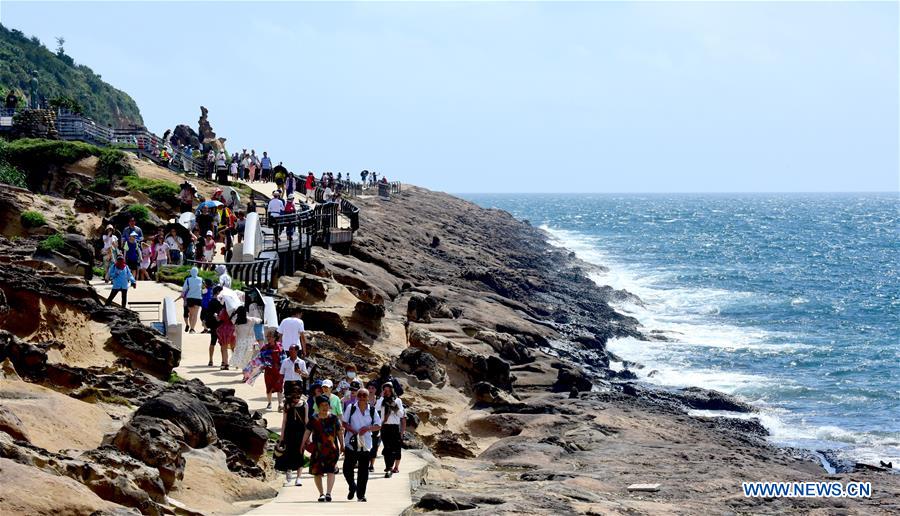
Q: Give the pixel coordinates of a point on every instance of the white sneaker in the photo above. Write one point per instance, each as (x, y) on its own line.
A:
(298, 483)
(288, 479)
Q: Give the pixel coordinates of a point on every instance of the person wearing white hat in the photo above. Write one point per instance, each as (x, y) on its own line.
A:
(209, 247)
(337, 408)
(275, 207)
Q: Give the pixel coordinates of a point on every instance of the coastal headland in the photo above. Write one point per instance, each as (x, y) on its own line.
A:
(498, 337)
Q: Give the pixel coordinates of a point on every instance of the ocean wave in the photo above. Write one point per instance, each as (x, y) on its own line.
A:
(691, 319)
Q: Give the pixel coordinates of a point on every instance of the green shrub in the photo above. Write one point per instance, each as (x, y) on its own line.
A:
(72, 188)
(53, 242)
(10, 175)
(140, 213)
(156, 189)
(113, 164)
(100, 184)
(176, 274)
(33, 219)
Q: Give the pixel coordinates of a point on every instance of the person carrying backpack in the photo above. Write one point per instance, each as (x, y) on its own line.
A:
(359, 422)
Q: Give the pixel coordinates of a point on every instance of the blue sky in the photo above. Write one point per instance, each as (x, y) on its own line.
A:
(517, 97)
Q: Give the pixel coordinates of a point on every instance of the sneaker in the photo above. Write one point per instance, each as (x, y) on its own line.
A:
(298, 482)
(269, 406)
(388, 474)
(352, 493)
(321, 498)
(362, 499)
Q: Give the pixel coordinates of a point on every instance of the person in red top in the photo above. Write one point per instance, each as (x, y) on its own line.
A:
(310, 182)
(272, 371)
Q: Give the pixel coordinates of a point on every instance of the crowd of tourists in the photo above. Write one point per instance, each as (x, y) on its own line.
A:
(326, 418)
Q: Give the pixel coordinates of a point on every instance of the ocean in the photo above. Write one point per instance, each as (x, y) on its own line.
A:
(791, 301)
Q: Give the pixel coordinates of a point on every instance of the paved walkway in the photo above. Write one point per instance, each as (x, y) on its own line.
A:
(386, 496)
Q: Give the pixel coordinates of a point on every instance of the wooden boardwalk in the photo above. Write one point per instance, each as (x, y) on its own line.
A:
(386, 496)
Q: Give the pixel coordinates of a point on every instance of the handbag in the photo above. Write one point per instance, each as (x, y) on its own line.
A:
(279, 450)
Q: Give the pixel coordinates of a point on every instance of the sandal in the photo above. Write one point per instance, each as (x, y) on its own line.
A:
(328, 497)
(210, 364)
(223, 367)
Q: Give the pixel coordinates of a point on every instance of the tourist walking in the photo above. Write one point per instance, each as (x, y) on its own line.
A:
(192, 293)
(293, 332)
(224, 277)
(132, 229)
(266, 165)
(176, 246)
(374, 398)
(275, 207)
(270, 354)
(225, 331)
(145, 261)
(293, 370)
(109, 252)
(359, 423)
(393, 417)
(337, 408)
(326, 435)
(186, 198)
(211, 321)
(121, 278)
(293, 427)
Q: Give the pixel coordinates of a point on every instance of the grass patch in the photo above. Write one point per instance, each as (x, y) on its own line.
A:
(140, 213)
(176, 274)
(53, 242)
(32, 219)
(157, 189)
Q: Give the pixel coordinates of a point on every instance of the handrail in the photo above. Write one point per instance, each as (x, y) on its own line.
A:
(258, 273)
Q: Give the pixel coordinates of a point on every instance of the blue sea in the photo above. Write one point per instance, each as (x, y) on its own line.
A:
(791, 301)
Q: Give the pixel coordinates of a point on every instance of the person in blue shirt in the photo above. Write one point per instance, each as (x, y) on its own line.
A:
(120, 276)
(132, 228)
(131, 251)
(266, 165)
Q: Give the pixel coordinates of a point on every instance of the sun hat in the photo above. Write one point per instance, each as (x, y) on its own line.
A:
(209, 233)
(327, 383)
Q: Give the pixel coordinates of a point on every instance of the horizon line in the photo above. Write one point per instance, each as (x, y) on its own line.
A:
(685, 193)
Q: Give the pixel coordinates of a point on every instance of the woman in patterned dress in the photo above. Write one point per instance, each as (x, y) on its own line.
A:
(324, 430)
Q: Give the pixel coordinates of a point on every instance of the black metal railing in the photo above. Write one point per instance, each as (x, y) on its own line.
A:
(259, 273)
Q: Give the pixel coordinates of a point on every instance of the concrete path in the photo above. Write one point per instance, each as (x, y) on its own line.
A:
(386, 496)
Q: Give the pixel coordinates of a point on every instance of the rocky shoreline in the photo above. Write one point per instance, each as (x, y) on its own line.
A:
(499, 337)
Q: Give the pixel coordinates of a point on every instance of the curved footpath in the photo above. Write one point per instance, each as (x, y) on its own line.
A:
(385, 496)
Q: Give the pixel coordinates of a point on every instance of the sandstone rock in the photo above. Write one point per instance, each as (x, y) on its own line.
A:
(506, 345)
(424, 308)
(185, 135)
(476, 366)
(156, 442)
(451, 501)
(570, 377)
(422, 365)
(185, 411)
(27, 490)
(11, 424)
(448, 444)
(486, 394)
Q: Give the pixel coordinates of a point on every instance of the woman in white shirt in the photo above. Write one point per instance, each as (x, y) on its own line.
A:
(110, 246)
(393, 417)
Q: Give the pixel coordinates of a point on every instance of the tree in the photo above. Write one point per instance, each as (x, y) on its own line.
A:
(60, 41)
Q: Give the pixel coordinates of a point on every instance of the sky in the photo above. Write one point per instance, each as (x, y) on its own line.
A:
(517, 97)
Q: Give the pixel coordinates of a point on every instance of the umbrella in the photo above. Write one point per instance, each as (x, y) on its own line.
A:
(180, 230)
(208, 204)
(230, 192)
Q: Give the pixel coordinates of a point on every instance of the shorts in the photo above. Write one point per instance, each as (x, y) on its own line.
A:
(132, 264)
(191, 301)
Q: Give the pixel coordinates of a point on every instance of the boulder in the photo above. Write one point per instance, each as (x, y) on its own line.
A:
(570, 377)
(422, 365)
(424, 308)
(450, 501)
(185, 411)
(185, 135)
(486, 394)
(449, 444)
(156, 442)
